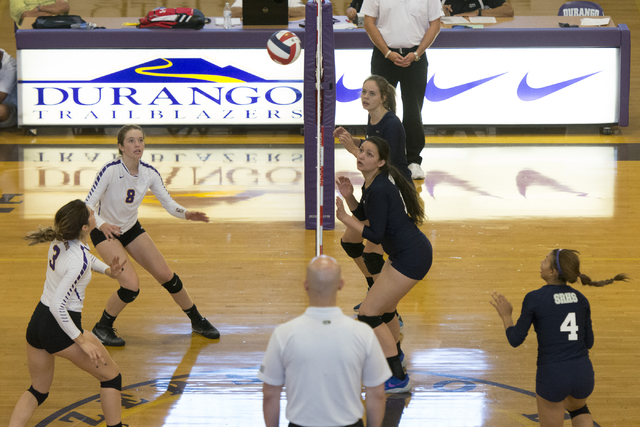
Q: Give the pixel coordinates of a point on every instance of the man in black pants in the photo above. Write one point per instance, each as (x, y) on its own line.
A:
(401, 33)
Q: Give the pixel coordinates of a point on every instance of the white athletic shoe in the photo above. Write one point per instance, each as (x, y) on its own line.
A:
(416, 171)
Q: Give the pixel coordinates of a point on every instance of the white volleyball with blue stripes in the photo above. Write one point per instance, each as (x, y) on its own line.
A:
(284, 47)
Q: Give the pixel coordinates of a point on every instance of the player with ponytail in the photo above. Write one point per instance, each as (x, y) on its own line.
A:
(381, 218)
(561, 316)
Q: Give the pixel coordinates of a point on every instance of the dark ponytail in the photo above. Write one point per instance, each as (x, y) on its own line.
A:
(67, 224)
(410, 196)
(567, 263)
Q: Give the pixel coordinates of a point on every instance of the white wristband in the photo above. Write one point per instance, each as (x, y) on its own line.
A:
(387, 54)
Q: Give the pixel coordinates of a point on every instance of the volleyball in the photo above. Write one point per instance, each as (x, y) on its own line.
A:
(284, 47)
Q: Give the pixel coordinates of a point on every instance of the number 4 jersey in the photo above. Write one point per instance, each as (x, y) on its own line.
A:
(116, 194)
(561, 317)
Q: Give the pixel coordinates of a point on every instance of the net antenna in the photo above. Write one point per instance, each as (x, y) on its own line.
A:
(319, 132)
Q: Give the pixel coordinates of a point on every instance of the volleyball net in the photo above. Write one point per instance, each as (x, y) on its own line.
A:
(319, 119)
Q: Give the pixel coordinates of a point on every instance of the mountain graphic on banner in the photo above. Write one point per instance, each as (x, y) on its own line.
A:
(180, 70)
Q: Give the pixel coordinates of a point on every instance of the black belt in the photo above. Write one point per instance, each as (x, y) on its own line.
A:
(359, 423)
(404, 50)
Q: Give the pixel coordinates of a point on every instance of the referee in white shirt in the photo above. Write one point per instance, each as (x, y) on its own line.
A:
(401, 31)
(323, 358)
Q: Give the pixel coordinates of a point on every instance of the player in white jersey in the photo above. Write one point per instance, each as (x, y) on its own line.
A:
(55, 328)
(116, 194)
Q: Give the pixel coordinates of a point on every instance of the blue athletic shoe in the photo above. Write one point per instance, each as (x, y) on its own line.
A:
(394, 385)
(357, 308)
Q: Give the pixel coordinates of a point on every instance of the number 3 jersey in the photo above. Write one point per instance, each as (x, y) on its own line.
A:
(561, 317)
(68, 274)
(116, 194)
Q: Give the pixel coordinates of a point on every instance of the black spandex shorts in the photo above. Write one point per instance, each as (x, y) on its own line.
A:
(556, 381)
(415, 261)
(44, 332)
(129, 236)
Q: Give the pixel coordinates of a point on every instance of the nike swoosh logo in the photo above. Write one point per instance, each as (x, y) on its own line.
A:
(436, 94)
(528, 177)
(122, 177)
(344, 94)
(528, 93)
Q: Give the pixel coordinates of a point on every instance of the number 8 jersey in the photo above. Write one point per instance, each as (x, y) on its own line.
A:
(116, 194)
(561, 317)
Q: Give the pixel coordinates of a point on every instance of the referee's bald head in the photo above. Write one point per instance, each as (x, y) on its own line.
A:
(324, 276)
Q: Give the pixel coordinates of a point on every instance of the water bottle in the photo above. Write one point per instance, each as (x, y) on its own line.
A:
(227, 16)
(84, 26)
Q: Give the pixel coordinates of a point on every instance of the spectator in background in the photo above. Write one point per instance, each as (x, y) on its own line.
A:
(500, 8)
(21, 9)
(8, 90)
(353, 9)
(296, 9)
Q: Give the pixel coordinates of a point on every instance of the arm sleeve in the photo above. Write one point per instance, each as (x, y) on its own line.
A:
(97, 265)
(494, 3)
(588, 329)
(518, 333)
(98, 188)
(370, 8)
(377, 212)
(160, 191)
(359, 212)
(74, 269)
(272, 369)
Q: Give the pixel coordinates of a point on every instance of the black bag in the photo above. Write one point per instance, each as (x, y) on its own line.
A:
(180, 17)
(58, 21)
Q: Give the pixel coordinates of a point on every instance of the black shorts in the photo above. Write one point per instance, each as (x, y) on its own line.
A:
(556, 381)
(44, 333)
(415, 261)
(129, 236)
(358, 423)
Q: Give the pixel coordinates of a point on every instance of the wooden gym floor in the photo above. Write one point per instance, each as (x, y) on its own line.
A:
(244, 270)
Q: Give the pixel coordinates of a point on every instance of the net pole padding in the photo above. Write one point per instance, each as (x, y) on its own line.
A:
(319, 131)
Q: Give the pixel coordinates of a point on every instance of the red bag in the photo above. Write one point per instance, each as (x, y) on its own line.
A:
(180, 17)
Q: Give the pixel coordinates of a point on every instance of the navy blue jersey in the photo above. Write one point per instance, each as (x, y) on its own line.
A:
(390, 129)
(561, 317)
(389, 223)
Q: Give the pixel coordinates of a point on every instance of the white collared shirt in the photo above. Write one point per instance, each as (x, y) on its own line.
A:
(402, 23)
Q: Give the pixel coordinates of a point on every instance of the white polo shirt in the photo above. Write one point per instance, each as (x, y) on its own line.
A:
(323, 358)
(402, 23)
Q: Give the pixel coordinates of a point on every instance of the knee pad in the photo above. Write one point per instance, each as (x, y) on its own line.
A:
(373, 261)
(40, 397)
(115, 383)
(373, 321)
(174, 285)
(354, 250)
(127, 295)
(583, 410)
(388, 317)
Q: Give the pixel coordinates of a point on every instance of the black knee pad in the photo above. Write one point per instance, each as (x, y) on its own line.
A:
(127, 295)
(373, 321)
(354, 250)
(388, 317)
(373, 261)
(583, 410)
(174, 285)
(115, 383)
(40, 397)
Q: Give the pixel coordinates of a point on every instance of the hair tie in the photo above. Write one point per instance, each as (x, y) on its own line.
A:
(558, 262)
